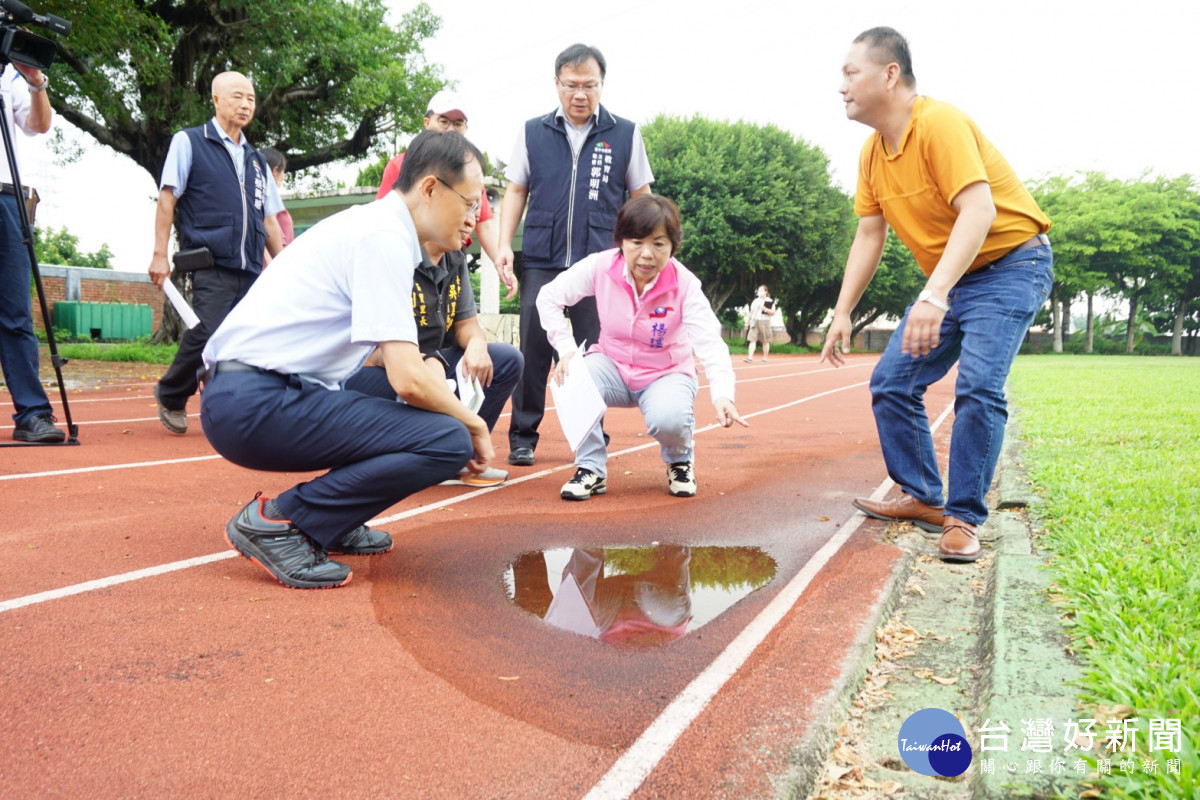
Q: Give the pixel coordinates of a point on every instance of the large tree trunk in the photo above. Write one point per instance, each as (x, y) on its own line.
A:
(1091, 326)
(1177, 332)
(1131, 326)
(1056, 317)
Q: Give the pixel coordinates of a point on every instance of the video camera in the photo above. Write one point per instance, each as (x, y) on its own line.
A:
(21, 46)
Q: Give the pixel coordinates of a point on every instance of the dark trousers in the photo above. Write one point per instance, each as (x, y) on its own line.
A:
(506, 371)
(378, 451)
(18, 345)
(215, 292)
(529, 398)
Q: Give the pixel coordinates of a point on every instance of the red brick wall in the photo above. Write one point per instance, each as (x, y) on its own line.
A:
(131, 288)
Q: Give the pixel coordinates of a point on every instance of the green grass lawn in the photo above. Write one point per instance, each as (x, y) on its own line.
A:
(1114, 448)
(119, 351)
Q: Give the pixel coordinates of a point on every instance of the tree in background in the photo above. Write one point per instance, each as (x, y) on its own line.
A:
(1087, 236)
(758, 207)
(329, 75)
(897, 282)
(61, 248)
(1177, 253)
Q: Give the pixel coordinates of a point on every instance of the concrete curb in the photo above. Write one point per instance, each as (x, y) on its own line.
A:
(981, 640)
(808, 757)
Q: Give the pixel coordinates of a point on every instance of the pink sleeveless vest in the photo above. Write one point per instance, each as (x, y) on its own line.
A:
(644, 337)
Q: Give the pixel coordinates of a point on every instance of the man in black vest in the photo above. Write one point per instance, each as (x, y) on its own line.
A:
(574, 168)
(227, 202)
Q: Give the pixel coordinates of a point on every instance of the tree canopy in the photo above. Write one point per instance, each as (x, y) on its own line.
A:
(758, 207)
(61, 247)
(1136, 240)
(330, 75)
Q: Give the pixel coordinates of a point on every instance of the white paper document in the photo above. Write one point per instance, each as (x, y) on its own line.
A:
(469, 391)
(577, 402)
(181, 307)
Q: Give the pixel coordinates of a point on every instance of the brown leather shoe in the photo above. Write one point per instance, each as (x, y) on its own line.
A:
(904, 509)
(959, 541)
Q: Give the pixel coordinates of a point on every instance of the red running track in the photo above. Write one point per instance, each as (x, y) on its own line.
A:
(142, 659)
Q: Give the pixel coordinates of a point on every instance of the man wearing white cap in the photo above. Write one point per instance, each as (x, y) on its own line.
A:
(445, 113)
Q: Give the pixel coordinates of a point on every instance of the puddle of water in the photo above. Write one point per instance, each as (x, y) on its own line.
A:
(635, 596)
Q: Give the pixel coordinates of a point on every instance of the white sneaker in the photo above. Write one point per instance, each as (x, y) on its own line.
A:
(681, 479)
(489, 477)
(585, 484)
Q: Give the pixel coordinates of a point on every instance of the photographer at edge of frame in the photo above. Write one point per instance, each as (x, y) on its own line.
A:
(27, 107)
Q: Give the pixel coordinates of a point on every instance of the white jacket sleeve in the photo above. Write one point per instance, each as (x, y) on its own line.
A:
(576, 283)
(704, 332)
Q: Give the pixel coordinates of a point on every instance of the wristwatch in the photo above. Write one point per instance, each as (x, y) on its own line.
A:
(928, 297)
(41, 87)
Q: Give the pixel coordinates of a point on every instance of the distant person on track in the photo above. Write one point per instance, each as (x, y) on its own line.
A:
(274, 398)
(653, 316)
(762, 310)
(929, 173)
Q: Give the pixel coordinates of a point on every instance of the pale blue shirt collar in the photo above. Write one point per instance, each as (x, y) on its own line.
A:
(561, 113)
(235, 149)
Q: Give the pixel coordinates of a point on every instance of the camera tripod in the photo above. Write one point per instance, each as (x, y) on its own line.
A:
(27, 237)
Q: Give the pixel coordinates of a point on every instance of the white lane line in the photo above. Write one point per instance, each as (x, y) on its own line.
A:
(138, 464)
(635, 764)
(149, 572)
(105, 468)
(113, 580)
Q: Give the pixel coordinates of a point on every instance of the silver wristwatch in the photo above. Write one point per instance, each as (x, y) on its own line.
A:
(928, 297)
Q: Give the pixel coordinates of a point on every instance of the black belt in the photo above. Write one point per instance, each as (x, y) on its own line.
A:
(224, 367)
(8, 188)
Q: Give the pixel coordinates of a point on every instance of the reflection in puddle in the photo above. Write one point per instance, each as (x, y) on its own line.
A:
(636, 596)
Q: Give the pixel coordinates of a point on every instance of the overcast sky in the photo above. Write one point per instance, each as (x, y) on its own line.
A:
(1058, 85)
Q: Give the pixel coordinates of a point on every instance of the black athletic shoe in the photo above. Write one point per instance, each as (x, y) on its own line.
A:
(283, 550)
(39, 429)
(362, 541)
(521, 457)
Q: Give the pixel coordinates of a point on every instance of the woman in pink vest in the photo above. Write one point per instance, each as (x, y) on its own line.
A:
(653, 315)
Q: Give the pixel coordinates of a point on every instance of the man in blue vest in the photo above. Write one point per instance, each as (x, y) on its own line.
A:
(227, 202)
(573, 168)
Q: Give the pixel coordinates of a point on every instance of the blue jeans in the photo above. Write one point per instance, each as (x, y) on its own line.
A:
(990, 311)
(667, 405)
(18, 345)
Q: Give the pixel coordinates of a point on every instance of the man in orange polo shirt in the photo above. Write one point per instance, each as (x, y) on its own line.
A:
(978, 235)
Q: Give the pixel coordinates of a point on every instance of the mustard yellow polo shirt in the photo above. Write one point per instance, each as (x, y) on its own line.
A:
(941, 153)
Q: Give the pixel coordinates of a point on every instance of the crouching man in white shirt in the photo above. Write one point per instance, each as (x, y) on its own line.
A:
(273, 398)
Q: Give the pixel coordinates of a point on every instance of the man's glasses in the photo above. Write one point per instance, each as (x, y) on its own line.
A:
(472, 207)
(586, 88)
(445, 123)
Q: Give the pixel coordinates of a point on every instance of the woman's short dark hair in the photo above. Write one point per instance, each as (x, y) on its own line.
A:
(441, 153)
(275, 159)
(642, 215)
